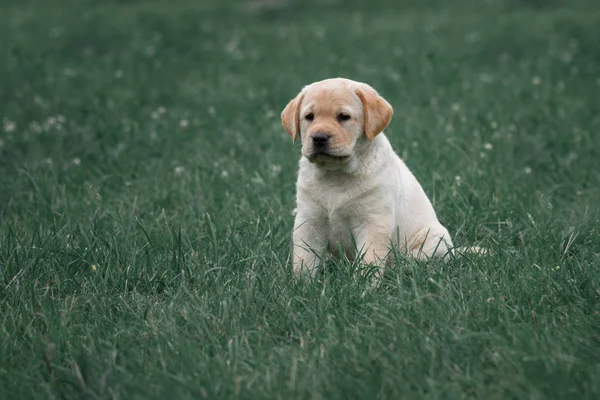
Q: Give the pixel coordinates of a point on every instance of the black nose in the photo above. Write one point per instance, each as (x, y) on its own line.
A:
(320, 139)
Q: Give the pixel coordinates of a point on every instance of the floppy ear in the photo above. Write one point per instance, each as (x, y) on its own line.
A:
(378, 112)
(290, 118)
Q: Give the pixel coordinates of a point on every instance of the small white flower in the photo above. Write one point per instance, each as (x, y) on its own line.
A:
(275, 169)
(486, 78)
(472, 37)
(232, 45)
(257, 179)
(37, 99)
(179, 170)
(57, 32)
(8, 125)
(536, 80)
(488, 146)
(573, 43)
(319, 32)
(69, 72)
(76, 161)
(458, 180)
(527, 170)
(394, 76)
(184, 123)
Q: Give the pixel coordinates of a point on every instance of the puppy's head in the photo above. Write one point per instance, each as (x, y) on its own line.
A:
(332, 116)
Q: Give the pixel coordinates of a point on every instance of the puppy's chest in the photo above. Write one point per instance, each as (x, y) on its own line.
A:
(342, 222)
(343, 206)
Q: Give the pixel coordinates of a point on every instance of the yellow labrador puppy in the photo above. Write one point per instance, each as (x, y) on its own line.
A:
(353, 190)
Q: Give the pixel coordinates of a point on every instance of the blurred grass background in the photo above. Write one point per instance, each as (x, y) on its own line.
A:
(146, 190)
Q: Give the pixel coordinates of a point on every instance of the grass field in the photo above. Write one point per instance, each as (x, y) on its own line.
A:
(147, 188)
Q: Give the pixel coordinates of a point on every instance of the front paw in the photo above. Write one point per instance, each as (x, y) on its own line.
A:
(372, 273)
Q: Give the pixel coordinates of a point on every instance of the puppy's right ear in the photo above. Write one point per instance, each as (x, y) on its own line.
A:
(290, 117)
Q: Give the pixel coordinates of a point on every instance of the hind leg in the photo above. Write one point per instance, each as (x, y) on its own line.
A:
(431, 242)
(373, 241)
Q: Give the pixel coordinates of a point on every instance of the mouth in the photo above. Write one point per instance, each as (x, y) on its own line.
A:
(327, 158)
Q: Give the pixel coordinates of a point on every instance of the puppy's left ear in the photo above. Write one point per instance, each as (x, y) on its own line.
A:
(290, 118)
(378, 112)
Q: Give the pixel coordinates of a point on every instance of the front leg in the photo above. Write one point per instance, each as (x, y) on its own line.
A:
(309, 242)
(430, 242)
(373, 241)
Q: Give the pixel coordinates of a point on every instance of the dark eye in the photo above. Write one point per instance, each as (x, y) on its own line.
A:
(343, 117)
(310, 117)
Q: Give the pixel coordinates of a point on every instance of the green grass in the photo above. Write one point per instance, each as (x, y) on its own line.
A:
(147, 188)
